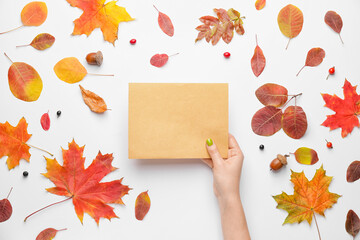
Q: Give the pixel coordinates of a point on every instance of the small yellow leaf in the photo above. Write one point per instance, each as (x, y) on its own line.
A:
(70, 70)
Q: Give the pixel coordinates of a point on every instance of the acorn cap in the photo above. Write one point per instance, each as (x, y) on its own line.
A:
(282, 158)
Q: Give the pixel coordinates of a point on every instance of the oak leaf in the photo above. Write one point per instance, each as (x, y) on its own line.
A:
(93, 101)
(309, 197)
(98, 14)
(13, 143)
(346, 110)
(290, 21)
(83, 186)
(142, 205)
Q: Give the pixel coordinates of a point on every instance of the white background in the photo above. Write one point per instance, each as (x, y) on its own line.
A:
(183, 204)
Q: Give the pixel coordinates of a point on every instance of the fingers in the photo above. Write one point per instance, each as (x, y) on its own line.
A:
(208, 162)
(234, 148)
(214, 152)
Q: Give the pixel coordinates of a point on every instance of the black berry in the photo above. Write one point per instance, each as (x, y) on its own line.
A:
(261, 147)
(25, 173)
(58, 113)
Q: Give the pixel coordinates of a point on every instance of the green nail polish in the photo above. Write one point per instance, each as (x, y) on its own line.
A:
(209, 142)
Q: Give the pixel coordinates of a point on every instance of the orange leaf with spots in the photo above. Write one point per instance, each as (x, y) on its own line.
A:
(290, 21)
(41, 42)
(260, 4)
(98, 14)
(346, 110)
(142, 205)
(93, 101)
(309, 197)
(83, 186)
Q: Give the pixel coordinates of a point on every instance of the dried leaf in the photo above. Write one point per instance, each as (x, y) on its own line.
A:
(83, 186)
(24, 81)
(294, 122)
(159, 60)
(5, 208)
(352, 224)
(34, 14)
(266, 121)
(260, 4)
(353, 171)
(346, 110)
(13, 143)
(222, 27)
(258, 60)
(290, 21)
(97, 14)
(48, 234)
(271, 94)
(306, 156)
(165, 23)
(314, 57)
(45, 121)
(142, 205)
(43, 41)
(94, 102)
(70, 70)
(309, 197)
(334, 21)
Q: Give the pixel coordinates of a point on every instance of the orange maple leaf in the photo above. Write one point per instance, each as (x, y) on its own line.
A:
(97, 14)
(83, 186)
(309, 197)
(346, 110)
(13, 143)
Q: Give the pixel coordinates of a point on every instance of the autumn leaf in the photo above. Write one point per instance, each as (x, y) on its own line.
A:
(41, 42)
(83, 186)
(309, 197)
(294, 122)
(48, 234)
(290, 21)
(93, 101)
(45, 121)
(159, 60)
(213, 29)
(24, 81)
(33, 14)
(165, 23)
(306, 156)
(271, 94)
(260, 4)
(266, 121)
(70, 70)
(353, 171)
(352, 224)
(142, 205)
(258, 60)
(5, 208)
(13, 143)
(333, 20)
(346, 110)
(98, 14)
(314, 57)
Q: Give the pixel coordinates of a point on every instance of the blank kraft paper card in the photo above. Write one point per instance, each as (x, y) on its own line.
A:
(173, 120)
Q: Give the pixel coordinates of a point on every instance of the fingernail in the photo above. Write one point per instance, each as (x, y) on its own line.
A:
(209, 142)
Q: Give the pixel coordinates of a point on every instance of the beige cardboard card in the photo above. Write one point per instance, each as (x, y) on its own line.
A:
(173, 120)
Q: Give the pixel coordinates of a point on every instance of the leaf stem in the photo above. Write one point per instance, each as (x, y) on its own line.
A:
(8, 57)
(39, 149)
(9, 192)
(61, 229)
(174, 54)
(12, 29)
(316, 225)
(287, 45)
(97, 74)
(341, 39)
(294, 96)
(300, 70)
(256, 40)
(156, 8)
(23, 45)
(47, 207)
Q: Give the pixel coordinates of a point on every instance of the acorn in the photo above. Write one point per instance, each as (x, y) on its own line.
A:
(95, 58)
(278, 162)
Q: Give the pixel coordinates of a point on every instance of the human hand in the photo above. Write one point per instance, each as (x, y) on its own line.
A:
(226, 172)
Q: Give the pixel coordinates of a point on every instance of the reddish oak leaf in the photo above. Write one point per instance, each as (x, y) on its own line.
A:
(142, 205)
(13, 143)
(83, 186)
(309, 197)
(258, 60)
(346, 110)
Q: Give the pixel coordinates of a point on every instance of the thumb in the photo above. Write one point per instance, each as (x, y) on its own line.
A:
(213, 152)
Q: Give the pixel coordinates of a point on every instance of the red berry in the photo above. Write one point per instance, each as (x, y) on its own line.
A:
(227, 54)
(329, 144)
(332, 70)
(133, 41)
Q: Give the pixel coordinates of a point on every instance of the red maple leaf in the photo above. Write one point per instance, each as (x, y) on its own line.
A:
(83, 186)
(346, 110)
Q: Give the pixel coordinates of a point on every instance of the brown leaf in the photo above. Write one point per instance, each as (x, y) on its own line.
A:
(353, 172)
(334, 21)
(352, 224)
(258, 60)
(266, 121)
(294, 122)
(142, 205)
(271, 94)
(5, 208)
(314, 57)
(48, 234)
(94, 102)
